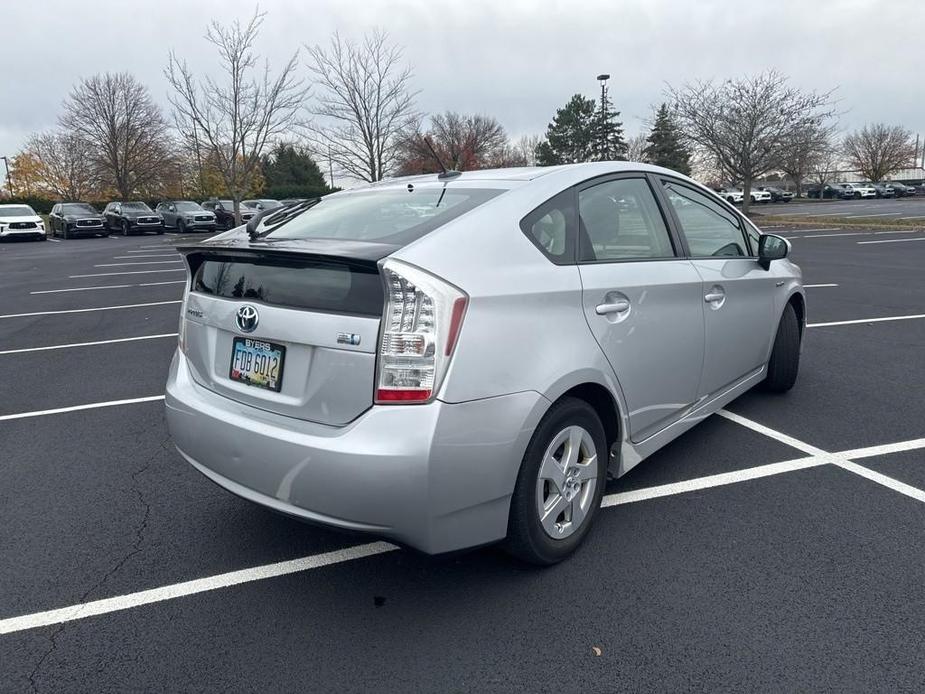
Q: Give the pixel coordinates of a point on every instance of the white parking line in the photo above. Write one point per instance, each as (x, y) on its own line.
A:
(841, 459)
(921, 238)
(884, 214)
(87, 310)
(857, 322)
(201, 585)
(152, 255)
(816, 458)
(146, 262)
(882, 479)
(107, 286)
(810, 230)
(817, 286)
(78, 408)
(719, 480)
(88, 344)
(132, 272)
(82, 289)
(53, 240)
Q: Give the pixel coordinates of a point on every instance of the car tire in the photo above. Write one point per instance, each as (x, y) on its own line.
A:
(784, 364)
(65, 234)
(181, 226)
(126, 231)
(528, 539)
(160, 231)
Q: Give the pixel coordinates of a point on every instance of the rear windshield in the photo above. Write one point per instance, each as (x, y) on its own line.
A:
(384, 216)
(328, 286)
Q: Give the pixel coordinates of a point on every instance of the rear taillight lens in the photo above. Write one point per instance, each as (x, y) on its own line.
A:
(420, 327)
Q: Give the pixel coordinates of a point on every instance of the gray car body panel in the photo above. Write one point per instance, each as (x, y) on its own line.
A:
(440, 476)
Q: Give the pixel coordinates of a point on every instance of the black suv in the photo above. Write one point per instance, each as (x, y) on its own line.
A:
(131, 218)
(901, 190)
(72, 219)
(833, 191)
(224, 212)
(777, 194)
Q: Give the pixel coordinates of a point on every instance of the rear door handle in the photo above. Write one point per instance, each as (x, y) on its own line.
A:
(618, 306)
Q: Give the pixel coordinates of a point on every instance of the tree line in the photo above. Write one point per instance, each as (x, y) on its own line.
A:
(247, 130)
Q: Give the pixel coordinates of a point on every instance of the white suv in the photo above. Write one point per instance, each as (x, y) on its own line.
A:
(860, 190)
(20, 222)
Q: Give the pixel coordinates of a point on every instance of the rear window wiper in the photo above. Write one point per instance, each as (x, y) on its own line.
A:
(274, 219)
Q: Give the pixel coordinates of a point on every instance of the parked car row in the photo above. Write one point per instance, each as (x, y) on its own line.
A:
(858, 191)
(734, 196)
(75, 219)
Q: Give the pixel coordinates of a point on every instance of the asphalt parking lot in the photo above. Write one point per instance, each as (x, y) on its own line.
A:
(884, 209)
(776, 547)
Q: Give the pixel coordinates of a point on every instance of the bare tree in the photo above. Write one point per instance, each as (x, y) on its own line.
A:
(877, 150)
(461, 142)
(526, 147)
(125, 130)
(65, 164)
(365, 106)
(636, 146)
(745, 123)
(231, 122)
(803, 151)
(826, 165)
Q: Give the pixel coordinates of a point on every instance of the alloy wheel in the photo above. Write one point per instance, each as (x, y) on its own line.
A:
(565, 486)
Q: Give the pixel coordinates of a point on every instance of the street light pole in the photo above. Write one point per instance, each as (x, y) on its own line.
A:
(9, 181)
(602, 78)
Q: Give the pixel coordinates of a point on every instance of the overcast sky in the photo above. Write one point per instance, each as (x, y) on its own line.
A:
(514, 60)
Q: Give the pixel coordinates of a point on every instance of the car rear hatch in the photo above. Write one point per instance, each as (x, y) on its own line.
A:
(290, 329)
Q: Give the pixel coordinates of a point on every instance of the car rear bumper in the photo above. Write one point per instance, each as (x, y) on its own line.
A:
(436, 477)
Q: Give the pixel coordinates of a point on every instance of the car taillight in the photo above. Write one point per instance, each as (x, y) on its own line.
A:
(421, 322)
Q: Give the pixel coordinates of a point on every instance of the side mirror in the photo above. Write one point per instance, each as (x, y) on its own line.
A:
(772, 247)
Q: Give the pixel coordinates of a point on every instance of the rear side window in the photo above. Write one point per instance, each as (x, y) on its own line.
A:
(620, 220)
(709, 228)
(394, 216)
(550, 226)
(306, 284)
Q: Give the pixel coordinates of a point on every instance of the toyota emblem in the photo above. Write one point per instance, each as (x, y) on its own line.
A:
(247, 318)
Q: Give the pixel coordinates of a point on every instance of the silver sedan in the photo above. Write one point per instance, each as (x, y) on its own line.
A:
(459, 359)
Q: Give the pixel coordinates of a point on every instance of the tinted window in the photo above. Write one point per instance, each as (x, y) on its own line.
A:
(16, 211)
(140, 206)
(314, 285)
(710, 228)
(548, 227)
(384, 216)
(186, 206)
(77, 208)
(620, 220)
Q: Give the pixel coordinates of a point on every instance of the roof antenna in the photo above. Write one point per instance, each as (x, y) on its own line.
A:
(444, 172)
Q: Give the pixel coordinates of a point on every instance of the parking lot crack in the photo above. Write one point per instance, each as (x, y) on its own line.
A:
(136, 548)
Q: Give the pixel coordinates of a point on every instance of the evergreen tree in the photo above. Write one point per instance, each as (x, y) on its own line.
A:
(608, 143)
(666, 144)
(290, 171)
(570, 137)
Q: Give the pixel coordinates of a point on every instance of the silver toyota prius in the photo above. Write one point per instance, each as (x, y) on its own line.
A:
(459, 359)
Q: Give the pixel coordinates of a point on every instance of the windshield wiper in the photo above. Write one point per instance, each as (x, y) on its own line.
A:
(274, 219)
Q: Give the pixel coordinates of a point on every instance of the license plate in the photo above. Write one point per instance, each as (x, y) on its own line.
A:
(257, 363)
